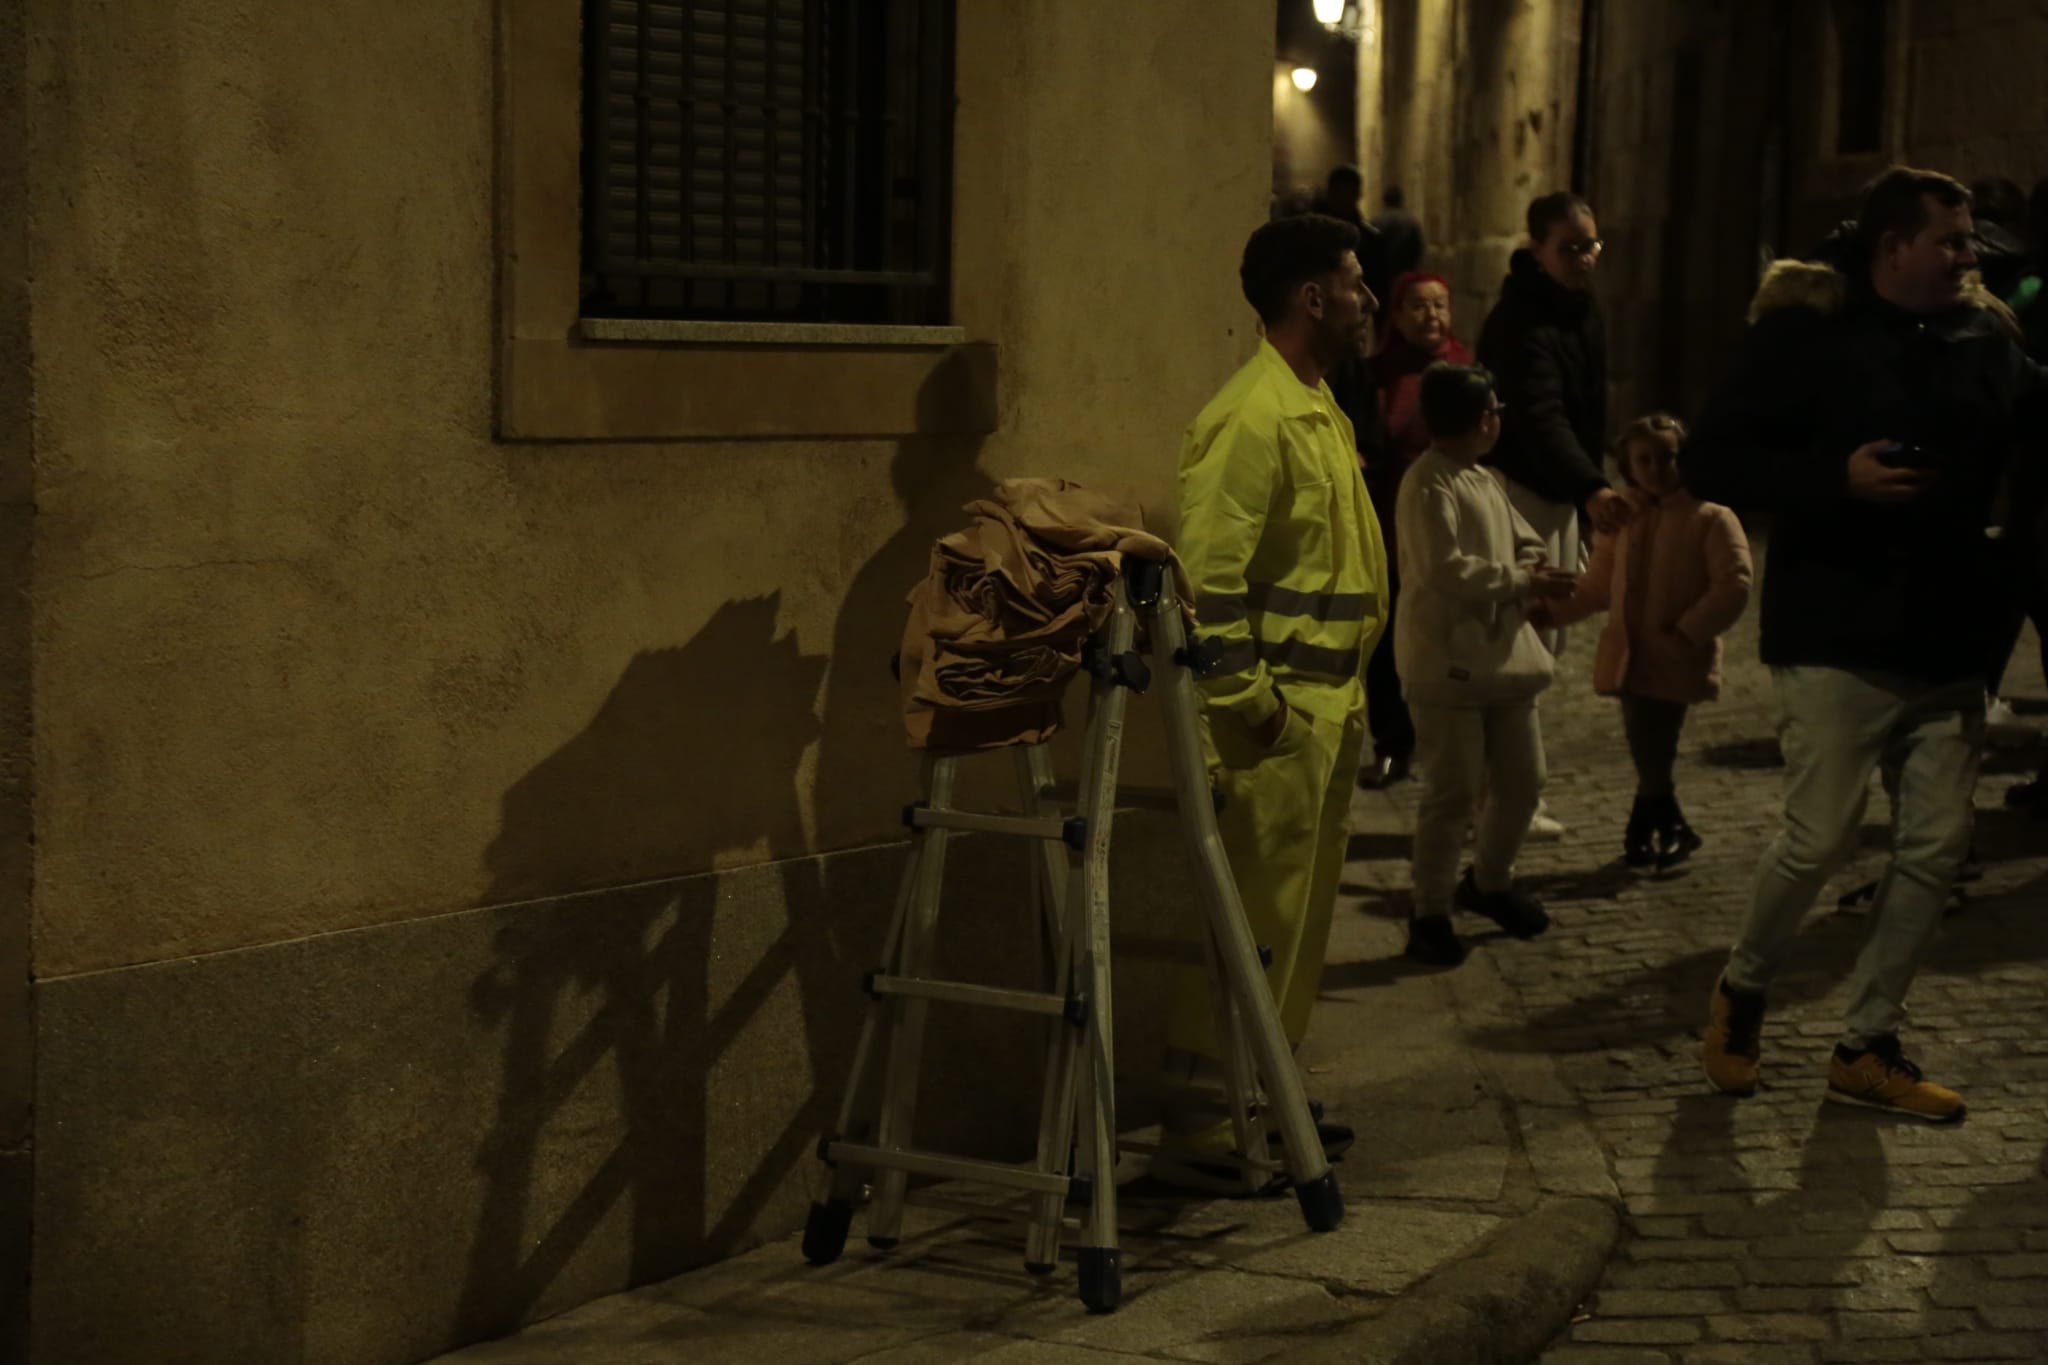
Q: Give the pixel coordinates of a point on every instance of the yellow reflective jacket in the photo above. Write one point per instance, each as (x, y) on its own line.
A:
(1279, 538)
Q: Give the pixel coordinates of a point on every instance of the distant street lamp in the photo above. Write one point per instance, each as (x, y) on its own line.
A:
(1329, 12)
(1304, 78)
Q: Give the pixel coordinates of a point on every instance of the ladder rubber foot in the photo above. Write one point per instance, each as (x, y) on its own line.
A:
(1322, 1203)
(825, 1231)
(1039, 1267)
(882, 1243)
(1102, 1278)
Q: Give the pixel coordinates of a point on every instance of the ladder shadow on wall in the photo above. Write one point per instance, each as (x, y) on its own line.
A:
(625, 979)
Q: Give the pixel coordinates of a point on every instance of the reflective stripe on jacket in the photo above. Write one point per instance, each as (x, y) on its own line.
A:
(1279, 538)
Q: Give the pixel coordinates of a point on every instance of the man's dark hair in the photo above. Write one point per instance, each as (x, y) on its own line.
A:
(1556, 207)
(2037, 212)
(1287, 253)
(1994, 199)
(1897, 202)
(1344, 177)
(1454, 399)
(1392, 197)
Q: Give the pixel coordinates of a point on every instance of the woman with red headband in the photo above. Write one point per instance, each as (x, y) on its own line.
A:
(1417, 336)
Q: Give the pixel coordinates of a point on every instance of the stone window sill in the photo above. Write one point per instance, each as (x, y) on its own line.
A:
(674, 387)
(765, 333)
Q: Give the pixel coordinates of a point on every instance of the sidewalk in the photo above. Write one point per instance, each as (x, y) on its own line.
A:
(1455, 1149)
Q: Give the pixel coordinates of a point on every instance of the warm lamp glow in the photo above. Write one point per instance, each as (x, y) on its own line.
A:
(1304, 78)
(1329, 11)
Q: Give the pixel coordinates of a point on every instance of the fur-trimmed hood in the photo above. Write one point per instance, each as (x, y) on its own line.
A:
(1823, 289)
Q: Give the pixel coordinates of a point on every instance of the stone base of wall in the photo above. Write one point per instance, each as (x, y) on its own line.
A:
(376, 1145)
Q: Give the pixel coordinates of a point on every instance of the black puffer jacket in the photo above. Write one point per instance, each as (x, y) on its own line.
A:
(1548, 353)
(1907, 588)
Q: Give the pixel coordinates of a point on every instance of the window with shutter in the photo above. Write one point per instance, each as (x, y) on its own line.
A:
(767, 160)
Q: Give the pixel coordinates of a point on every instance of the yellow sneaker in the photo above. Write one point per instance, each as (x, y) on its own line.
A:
(1880, 1077)
(1732, 1044)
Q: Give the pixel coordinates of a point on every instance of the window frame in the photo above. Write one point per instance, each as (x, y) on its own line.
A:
(562, 377)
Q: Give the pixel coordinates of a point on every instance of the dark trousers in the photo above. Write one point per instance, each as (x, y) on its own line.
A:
(1652, 727)
(1386, 713)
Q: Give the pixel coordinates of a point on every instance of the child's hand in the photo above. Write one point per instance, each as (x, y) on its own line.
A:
(1609, 510)
(1549, 581)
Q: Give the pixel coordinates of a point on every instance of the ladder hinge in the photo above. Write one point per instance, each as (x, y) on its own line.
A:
(1132, 671)
(910, 813)
(1143, 579)
(1200, 657)
(1074, 833)
(1076, 1012)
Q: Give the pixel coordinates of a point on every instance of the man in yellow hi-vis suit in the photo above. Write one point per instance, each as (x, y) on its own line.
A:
(1280, 541)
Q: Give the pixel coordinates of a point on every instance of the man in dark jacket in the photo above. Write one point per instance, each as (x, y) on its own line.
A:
(1343, 198)
(1544, 343)
(1548, 353)
(1874, 419)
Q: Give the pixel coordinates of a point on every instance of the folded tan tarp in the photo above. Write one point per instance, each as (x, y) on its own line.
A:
(996, 627)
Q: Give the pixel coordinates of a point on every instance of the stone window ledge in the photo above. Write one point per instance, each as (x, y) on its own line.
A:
(675, 332)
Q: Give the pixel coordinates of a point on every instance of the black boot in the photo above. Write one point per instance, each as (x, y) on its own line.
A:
(1676, 840)
(1639, 841)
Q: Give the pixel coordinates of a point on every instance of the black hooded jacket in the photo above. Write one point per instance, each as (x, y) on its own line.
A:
(1908, 588)
(1548, 353)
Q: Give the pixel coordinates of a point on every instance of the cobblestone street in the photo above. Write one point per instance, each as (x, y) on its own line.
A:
(1779, 1228)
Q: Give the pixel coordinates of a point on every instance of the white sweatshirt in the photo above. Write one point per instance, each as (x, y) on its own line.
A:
(1461, 636)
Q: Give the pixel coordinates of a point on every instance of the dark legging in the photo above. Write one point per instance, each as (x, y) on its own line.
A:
(1386, 714)
(1653, 727)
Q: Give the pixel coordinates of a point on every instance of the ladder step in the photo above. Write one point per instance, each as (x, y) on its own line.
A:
(1127, 798)
(966, 993)
(1055, 828)
(1025, 1178)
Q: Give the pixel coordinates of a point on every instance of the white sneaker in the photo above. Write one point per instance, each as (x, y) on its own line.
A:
(2003, 726)
(1544, 827)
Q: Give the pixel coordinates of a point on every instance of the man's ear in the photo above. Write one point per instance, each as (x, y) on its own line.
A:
(1313, 299)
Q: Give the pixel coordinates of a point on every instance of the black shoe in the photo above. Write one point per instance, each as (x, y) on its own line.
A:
(1676, 840)
(1431, 939)
(1384, 772)
(1518, 912)
(1639, 840)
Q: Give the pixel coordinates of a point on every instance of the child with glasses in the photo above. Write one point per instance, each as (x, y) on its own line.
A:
(1672, 581)
(1470, 665)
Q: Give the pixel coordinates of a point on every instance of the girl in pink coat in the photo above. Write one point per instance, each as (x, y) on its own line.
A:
(1671, 582)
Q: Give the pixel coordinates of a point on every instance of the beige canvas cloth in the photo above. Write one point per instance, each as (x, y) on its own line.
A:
(997, 626)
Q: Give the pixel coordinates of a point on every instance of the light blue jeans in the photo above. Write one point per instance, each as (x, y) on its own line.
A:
(1835, 727)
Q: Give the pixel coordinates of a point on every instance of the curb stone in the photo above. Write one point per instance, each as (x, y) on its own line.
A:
(1501, 1303)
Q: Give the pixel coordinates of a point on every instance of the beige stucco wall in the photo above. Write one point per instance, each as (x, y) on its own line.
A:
(303, 625)
(329, 677)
